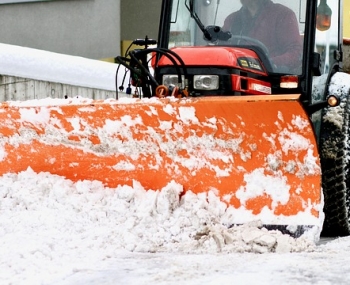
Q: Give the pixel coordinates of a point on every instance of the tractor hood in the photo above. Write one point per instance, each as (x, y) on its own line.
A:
(217, 56)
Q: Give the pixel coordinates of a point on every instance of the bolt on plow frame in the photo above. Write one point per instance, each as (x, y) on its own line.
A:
(246, 99)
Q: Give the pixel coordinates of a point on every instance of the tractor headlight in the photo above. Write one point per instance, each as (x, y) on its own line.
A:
(206, 82)
(173, 79)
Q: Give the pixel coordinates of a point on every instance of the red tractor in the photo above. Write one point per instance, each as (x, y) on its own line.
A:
(242, 100)
(259, 60)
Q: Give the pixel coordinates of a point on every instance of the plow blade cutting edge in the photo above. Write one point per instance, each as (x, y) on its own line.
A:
(257, 153)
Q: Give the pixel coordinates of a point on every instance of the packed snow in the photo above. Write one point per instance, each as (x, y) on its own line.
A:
(49, 66)
(55, 231)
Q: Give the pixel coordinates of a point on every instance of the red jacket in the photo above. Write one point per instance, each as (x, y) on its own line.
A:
(275, 26)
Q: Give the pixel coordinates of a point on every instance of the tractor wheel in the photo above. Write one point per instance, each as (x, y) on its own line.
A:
(334, 151)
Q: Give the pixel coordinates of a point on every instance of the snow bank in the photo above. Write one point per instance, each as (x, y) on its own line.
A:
(50, 226)
(54, 67)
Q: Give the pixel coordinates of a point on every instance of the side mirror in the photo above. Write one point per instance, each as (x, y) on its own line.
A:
(324, 16)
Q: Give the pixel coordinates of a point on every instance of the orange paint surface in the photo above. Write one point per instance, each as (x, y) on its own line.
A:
(203, 144)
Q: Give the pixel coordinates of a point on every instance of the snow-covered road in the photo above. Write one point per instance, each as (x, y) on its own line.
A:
(54, 231)
(328, 265)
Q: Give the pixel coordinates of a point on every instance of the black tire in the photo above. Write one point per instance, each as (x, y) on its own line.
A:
(334, 149)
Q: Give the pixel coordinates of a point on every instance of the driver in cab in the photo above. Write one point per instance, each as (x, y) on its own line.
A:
(272, 24)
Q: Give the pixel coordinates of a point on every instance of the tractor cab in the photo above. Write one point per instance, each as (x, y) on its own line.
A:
(249, 47)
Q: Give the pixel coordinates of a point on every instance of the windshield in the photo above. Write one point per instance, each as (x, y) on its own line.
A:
(271, 28)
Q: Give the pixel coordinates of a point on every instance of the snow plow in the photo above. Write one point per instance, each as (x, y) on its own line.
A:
(185, 141)
(260, 119)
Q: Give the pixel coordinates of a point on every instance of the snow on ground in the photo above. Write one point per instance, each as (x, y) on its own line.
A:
(54, 231)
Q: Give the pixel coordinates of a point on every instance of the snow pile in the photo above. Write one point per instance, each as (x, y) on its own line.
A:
(250, 237)
(50, 224)
(55, 67)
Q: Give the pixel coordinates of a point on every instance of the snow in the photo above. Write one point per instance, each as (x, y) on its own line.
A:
(55, 67)
(257, 183)
(55, 231)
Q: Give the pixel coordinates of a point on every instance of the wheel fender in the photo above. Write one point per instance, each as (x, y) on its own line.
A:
(340, 85)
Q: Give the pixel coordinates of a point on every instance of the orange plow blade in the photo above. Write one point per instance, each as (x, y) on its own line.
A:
(257, 153)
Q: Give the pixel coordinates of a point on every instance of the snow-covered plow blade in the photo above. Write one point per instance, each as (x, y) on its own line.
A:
(257, 153)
